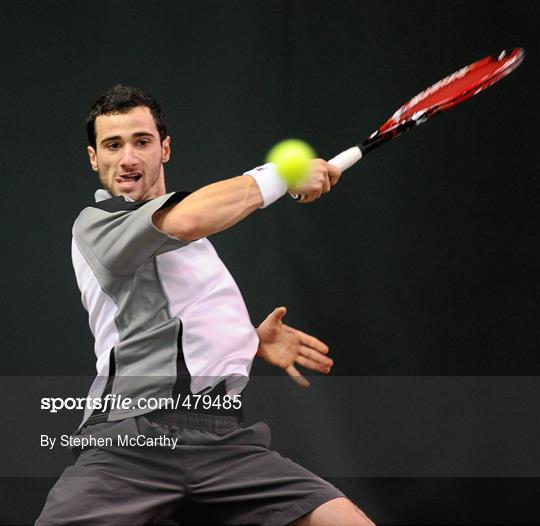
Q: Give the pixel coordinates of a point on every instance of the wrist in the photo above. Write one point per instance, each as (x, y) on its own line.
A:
(271, 185)
(260, 346)
(257, 330)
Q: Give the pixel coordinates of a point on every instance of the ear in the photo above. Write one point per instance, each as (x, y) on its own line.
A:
(166, 149)
(93, 158)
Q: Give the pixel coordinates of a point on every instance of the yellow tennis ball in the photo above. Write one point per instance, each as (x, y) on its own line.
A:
(292, 158)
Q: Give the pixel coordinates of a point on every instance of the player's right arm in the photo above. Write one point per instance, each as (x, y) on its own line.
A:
(210, 209)
(220, 205)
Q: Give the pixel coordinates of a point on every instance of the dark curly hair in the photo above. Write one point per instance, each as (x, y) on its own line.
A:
(120, 99)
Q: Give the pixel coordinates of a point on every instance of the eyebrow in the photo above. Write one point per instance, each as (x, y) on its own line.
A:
(118, 137)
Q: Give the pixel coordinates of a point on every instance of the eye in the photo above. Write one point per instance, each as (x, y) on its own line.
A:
(112, 146)
(143, 142)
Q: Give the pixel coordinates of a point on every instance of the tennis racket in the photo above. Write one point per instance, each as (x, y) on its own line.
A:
(441, 96)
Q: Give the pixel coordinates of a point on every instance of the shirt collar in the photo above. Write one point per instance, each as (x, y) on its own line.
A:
(102, 195)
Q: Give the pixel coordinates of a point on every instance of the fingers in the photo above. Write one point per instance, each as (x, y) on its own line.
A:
(278, 313)
(275, 316)
(314, 343)
(313, 365)
(308, 198)
(292, 371)
(309, 341)
(326, 184)
(314, 356)
(334, 173)
(314, 360)
(322, 177)
(311, 351)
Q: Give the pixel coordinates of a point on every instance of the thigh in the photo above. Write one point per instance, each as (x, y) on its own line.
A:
(240, 481)
(114, 486)
(337, 511)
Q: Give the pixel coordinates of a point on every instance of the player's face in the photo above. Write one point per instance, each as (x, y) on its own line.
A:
(128, 155)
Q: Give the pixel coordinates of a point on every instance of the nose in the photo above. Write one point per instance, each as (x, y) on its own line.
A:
(129, 158)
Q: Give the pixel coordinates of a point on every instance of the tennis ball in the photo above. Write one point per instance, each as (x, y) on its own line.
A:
(292, 158)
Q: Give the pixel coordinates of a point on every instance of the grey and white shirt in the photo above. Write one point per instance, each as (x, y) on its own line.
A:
(158, 307)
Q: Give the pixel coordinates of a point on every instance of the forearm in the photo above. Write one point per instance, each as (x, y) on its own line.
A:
(221, 205)
(211, 209)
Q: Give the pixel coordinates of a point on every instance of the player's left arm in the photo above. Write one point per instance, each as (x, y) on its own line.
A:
(283, 346)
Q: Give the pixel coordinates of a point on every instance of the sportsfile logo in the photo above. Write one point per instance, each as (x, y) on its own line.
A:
(110, 402)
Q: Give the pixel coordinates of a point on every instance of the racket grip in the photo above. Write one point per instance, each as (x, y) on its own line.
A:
(343, 161)
(346, 158)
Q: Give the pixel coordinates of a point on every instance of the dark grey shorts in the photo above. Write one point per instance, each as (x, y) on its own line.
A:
(218, 473)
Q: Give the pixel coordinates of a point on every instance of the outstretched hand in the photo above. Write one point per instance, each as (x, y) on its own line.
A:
(283, 346)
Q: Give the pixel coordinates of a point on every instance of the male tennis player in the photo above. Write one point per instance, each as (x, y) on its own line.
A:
(170, 323)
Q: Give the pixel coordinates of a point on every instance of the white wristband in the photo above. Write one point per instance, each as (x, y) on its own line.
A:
(271, 184)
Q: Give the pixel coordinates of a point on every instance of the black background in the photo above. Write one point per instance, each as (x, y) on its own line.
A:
(422, 261)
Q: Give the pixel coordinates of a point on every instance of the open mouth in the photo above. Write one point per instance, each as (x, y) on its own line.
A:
(128, 179)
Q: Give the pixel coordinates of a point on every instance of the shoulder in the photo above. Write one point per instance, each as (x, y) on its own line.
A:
(117, 204)
(120, 204)
(118, 208)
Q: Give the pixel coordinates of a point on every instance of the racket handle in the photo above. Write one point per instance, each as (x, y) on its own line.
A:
(343, 161)
(346, 158)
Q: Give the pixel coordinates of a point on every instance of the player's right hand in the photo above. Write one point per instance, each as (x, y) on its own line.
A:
(322, 176)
